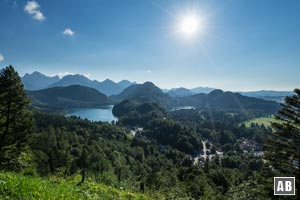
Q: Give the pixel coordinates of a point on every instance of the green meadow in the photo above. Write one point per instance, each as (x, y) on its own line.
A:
(17, 186)
(266, 121)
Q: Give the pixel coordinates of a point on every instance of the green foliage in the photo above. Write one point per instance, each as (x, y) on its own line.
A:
(168, 132)
(283, 145)
(16, 186)
(131, 113)
(248, 190)
(74, 96)
(66, 146)
(15, 119)
(266, 121)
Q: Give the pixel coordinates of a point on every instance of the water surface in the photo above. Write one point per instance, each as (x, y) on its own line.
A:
(94, 114)
(183, 108)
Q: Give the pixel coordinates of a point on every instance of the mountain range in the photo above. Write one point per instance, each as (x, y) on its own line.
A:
(182, 92)
(81, 96)
(148, 92)
(271, 95)
(38, 81)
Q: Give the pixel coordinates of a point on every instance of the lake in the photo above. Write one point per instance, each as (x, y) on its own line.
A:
(94, 114)
(183, 108)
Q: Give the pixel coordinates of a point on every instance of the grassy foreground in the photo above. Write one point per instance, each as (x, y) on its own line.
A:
(16, 186)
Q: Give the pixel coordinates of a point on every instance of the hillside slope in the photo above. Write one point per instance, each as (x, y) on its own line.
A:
(229, 100)
(146, 92)
(74, 96)
(16, 186)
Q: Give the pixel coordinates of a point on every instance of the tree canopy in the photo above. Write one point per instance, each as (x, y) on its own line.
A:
(283, 145)
(15, 119)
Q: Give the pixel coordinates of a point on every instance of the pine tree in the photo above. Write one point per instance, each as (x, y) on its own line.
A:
(283, 144)
(83, 164)
(15, 119)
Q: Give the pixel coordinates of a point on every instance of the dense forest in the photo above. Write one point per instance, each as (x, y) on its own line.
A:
(199, 153)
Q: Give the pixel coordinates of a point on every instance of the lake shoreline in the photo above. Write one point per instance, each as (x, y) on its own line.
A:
(103, 114)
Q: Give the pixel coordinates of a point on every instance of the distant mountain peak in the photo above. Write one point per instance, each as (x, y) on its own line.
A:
(107, 86)
(202, 89)
(149, 83)
(146, 92)
(37, 81)
(108, 81)
(75, 75)
(36, 72)
(124, 81)
(180, 92)
(216, 92)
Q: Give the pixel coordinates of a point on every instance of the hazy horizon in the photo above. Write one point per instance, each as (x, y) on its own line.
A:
(231, 45)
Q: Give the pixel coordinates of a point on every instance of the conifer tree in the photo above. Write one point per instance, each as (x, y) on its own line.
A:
(15, 118)
(83, 164)
(283, 144)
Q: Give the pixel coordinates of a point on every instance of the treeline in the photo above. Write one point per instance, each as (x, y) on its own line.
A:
(223, 128)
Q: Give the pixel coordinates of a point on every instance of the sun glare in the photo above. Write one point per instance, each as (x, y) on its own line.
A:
(190, 26)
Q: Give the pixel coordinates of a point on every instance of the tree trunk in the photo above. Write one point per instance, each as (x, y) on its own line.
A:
(142, 187)
(119, 175)
(82, 176)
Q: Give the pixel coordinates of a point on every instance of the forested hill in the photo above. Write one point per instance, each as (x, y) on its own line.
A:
(132, 113)
(228, 100)
(146, 92)
(74, 96)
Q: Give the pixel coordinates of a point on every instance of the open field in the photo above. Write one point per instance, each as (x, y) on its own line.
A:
(266, 121)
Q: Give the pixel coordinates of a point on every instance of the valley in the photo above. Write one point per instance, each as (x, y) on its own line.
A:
(149, 100)
(61, 95)
(141, 140)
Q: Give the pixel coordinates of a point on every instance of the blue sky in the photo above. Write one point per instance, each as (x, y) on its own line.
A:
(243, 45)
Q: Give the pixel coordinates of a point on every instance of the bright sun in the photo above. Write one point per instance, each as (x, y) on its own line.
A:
(190, 25)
